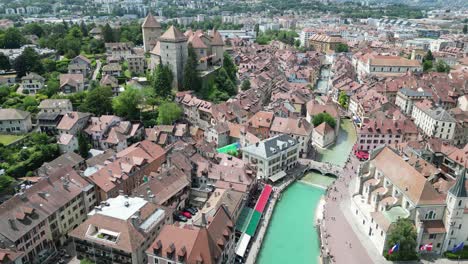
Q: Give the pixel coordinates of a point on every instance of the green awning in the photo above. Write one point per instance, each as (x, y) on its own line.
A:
(244, 219)
(253, 223)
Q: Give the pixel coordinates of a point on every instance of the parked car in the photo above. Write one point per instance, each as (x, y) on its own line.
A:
(195, 209)
(187, 214)
(191, 211)
(179, 217)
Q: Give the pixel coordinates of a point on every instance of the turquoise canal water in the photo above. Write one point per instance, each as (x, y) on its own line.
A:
(291, 236)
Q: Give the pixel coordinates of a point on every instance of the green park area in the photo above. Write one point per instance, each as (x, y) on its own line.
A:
(8, 139)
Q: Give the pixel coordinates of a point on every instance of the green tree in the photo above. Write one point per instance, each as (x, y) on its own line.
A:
(297, 43)
(245, 85)
(49, 65)
(28, 61)
(324, 117)
(341, 47)
(84, 29)
(33, 29)
(403, 232)
(12, 38)
(51, 88)
(427, 65)
(96, 46)
(162, 81)
(4, 62)
(465, 29)
(192, 80)
(127, 104)
(441, 66)
(229, 66)
(168, 113)
(83, 145)
(343, 99)
(428, 56)
(86, 261)
(98, 101)
(108, 33)
(224, 83)
(5, 184)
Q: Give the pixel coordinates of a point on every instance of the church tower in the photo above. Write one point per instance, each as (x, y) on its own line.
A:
(456, 221)
(151, 29)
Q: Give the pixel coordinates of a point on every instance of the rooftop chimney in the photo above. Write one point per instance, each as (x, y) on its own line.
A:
(12, 223)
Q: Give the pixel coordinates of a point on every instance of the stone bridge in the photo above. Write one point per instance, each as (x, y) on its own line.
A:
(322, 167)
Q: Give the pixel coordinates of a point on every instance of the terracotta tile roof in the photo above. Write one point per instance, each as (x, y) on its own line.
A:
(314, 108)
(408, 180)
(434, 227)
(130, 238)
(150, 22)
(324, 129)
(71, 79)
(261, 119)
(388, 126)
(288, 125)
(138, 154)
(39, 202)
(7, 255)
(164, 185)
(196, 42)
(396, 61)
(173, 34)
(216, 38)
(195, 244)
(71, 119)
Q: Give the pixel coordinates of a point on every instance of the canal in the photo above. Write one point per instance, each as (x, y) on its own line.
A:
(291, 236)
(322, 83)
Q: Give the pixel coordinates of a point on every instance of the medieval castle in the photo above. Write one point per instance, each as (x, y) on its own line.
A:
(171, 47)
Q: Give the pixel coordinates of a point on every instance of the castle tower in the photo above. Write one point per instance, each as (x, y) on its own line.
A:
(173, 52)
(456, 221)
(217, 47)
(151, 29)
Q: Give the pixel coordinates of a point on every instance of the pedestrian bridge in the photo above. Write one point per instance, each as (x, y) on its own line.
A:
(322, 167)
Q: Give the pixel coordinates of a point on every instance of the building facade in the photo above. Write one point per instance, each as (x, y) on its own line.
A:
(270, 156)
(389, 188)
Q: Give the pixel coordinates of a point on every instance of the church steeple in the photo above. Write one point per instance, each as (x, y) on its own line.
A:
(459, 189)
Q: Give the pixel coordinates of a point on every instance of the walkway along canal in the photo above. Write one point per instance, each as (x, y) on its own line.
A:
(291, 235)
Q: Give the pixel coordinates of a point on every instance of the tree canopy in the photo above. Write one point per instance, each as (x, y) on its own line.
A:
(127, 104)
(28, 61)
(442, 66)
(162, 81)
(341, 47)
(343, 99)
(168, 113)
(324, 117)
(192, 80)
(245, 85)
(403, 232)
(230, 67)
(108, 33)
(98, 101)
(11, 39)
(4, 62)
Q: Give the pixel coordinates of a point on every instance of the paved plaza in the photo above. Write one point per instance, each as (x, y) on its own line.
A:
(345, 241)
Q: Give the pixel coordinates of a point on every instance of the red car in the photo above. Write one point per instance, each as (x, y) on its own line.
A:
(362, 155)
(187, 214)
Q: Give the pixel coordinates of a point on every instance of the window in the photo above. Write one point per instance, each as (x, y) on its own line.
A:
(432, 236)
(430, 215)
(459, 203)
